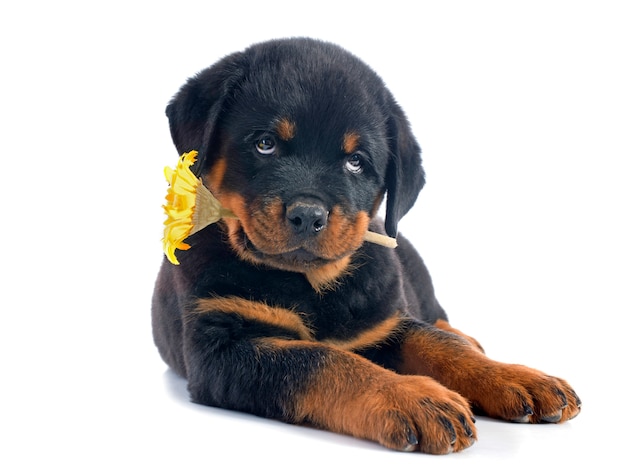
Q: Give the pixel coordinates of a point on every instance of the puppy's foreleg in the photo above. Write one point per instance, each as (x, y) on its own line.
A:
(264, 368)
(511, 392)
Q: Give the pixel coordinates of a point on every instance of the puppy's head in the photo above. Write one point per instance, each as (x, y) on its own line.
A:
(301, 140)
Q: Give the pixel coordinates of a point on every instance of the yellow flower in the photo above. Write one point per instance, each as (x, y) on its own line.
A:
(189, 207)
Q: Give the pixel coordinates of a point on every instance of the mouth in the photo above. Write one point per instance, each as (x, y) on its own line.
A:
(268, 239)
(300, 256)
(299, 259)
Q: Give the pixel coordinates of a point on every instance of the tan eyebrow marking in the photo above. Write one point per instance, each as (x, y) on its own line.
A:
(286, 129)
(350, 142)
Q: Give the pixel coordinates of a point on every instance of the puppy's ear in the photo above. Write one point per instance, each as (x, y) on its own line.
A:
(405, 175)
(195, 110)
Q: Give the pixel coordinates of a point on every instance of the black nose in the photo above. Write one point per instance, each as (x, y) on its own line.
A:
(307, 218)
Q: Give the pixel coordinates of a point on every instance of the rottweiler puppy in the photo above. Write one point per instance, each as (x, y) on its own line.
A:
(286, 312)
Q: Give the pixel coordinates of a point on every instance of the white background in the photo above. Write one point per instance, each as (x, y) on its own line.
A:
(520, 110)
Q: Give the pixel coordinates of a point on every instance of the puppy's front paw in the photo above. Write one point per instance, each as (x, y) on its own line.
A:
(415, 413)
(521, 394)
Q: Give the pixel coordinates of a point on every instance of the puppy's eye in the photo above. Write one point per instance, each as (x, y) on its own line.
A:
(354, 164)
(266, 145)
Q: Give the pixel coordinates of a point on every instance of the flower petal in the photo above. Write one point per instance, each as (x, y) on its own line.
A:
(189, 206)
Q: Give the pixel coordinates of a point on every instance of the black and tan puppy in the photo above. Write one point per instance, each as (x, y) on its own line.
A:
(286, 312)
